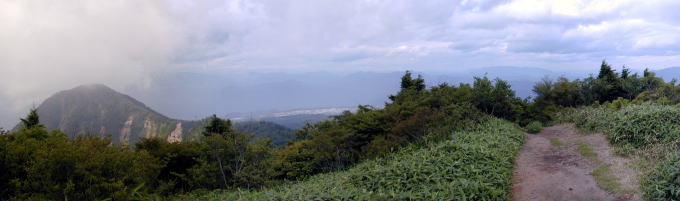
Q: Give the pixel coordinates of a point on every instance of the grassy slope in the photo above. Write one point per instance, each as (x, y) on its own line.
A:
(471, 166)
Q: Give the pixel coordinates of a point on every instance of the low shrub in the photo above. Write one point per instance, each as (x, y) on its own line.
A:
(663, 183)
(647, 124)
(534, 127)
(590, 119)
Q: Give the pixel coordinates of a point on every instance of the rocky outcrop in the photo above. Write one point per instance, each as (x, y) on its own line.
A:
(125, 131)
(149, 129)
(176, 135)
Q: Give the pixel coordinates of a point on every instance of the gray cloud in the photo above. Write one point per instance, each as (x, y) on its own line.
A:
(49, 46)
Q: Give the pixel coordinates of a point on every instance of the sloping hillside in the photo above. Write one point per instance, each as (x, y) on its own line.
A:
(474, 165)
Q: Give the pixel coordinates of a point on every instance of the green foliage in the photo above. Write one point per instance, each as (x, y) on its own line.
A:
(31, 120)
(631, 125)
(239, 157)
(534, 127)
(475, 165)
(408, 82)
(647, 124)
(496, 98)
(608, 86)
(663, 183)
(79, 169)
(590, 119)
(413, 114)
(176, 159)
(217, 126)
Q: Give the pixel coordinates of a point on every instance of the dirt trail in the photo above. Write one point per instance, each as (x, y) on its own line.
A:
(557, 171)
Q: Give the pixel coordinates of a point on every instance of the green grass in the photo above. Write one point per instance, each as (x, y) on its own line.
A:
(585, 150)
(556, 142)
(474, 165)
(605, 180)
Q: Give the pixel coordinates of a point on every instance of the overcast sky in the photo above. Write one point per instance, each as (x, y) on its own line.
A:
(46, 46)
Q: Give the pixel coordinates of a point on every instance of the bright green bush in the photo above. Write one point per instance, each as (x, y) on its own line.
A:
(664, 182)
(647, 124)
(474, 165)
(534, 127)
(635, 125)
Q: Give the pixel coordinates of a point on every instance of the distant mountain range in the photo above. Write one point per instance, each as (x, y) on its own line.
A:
(97, 110)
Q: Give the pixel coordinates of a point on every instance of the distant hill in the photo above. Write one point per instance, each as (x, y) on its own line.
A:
(97, 110)
(295, 119)
(279, 134)
(669, 73)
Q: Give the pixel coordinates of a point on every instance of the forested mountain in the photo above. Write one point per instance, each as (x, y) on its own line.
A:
(97, 110)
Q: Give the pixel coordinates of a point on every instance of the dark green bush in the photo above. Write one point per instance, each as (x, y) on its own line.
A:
(534, 127)
(664, 182)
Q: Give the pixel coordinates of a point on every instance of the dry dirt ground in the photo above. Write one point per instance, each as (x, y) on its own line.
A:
(556, 171)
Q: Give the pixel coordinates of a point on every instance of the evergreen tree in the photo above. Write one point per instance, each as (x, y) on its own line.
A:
(32, 120)
(625, 72)
(217, 126)
(408, 82)
(215, 132)
(606, 72)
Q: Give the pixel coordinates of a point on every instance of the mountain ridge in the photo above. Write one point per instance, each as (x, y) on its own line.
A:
(97, 110)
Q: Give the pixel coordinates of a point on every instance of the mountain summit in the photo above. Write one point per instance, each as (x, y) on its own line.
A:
(97, 110)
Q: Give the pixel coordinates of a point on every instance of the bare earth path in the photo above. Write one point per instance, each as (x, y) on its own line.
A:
(558, 171)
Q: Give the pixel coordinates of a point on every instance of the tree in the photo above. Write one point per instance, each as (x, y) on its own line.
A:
(408, 82)
(606, 72)
(217, 126)
(495, 98)
(31, 120)
(214, 133)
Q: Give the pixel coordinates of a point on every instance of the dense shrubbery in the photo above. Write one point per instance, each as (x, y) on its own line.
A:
(647, 124)
(591, 119)
(41, 165)
(472, 165)
(607, 86)
(663, 184)
(637, 125)
(534, 127)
